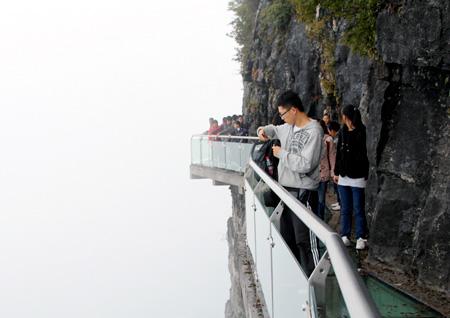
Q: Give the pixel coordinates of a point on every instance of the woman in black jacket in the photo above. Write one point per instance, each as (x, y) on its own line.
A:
(351, 172)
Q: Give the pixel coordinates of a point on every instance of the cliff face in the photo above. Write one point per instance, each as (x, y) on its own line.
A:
(403, 94)
(245, 298)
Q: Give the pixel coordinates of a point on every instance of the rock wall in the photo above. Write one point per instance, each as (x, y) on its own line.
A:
(245, 300)
(405, 101)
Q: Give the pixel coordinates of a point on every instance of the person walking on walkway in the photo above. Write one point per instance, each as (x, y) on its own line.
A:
(298, 172)
(351, 173)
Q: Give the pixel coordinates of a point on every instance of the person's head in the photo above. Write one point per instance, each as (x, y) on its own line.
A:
(237, 124)
(215, 123)
(211, 120)
(351, 116)
(324, 126)
(333, 128)
(326, 118)
(289, 105)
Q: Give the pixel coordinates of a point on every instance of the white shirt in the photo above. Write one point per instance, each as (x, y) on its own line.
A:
(350, 182)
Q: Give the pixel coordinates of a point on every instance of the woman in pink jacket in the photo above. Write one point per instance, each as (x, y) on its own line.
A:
(327, 162)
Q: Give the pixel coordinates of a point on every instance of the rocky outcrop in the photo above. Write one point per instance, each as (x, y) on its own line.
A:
(245, 300)
(404, 98)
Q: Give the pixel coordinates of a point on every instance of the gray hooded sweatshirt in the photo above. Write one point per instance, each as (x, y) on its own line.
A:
(299, 165)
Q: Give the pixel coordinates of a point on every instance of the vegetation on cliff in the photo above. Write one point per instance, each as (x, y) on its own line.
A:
(278, 15)
(360, 32)
(328, 22)
(361, 15)
(243, 25)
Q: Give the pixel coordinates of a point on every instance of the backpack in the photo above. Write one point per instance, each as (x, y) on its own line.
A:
(264, 158)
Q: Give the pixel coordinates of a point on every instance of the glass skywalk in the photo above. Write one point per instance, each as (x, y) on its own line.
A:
(335, 289)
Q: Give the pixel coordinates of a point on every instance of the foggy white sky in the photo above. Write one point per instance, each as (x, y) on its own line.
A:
(98, 100)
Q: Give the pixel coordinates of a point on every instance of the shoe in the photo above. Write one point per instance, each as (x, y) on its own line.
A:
(335, 207)
(346, 241)
(334, 204)
(361, 244)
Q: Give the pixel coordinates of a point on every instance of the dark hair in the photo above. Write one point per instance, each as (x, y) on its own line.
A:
(352, 113)
(237, 122)
(290, 99)
(334, 126)
(324, 127)
(276, 120)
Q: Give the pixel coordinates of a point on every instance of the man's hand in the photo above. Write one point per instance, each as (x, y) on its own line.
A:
(261, 135)
(336, 179)
(276, 151)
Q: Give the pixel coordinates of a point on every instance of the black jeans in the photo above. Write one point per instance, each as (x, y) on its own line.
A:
(296, 233)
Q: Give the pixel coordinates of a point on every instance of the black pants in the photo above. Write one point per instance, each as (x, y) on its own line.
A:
(296, 233)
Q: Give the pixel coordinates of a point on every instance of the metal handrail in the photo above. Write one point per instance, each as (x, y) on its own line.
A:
(225, 137)
(355, 294)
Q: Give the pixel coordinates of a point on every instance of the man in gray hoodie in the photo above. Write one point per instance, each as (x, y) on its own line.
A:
(298, 171)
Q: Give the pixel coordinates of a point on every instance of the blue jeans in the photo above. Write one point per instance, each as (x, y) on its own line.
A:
(322, 190)
(352, 200)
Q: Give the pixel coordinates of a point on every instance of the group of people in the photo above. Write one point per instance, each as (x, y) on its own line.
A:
(309, 158)
(231, 126)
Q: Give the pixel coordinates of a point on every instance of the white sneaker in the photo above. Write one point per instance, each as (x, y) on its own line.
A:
(346, 241)
(361, 244)
(335, 207)
(334, 204)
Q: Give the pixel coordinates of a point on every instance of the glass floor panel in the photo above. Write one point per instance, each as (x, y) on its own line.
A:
(391, 302)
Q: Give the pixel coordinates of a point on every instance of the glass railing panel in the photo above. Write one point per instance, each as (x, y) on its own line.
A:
(290, 284)
(206, 153)
(246, 149)
(233, 156)
(335, 304)
(250, 219)
(264, 195)
(313, 304)
(263, 253)
(218, 154)
(196, 146)
(226, 153)
(251, 178)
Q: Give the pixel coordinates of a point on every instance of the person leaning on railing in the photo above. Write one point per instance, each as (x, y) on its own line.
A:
(214, 129)
(298, 171)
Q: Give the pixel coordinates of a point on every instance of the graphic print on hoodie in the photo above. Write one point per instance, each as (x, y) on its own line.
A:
(299, 141)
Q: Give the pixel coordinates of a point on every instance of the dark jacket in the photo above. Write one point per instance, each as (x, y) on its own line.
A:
(351, 154)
